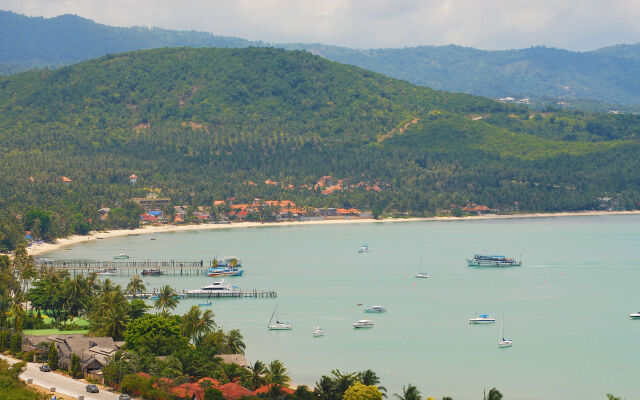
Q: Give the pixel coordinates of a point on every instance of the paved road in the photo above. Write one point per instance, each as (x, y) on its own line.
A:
(63, 384)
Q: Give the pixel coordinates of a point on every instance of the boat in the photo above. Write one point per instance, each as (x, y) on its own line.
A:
(224, 271)
(363, 249)
(215, 287)
(635, 315)
(363, 323)
(482, 319)
(317, 331)
(375, 309)
(479, 260)
(121, 256)
(152, 271)
(278, 325)
(205, 304)
(153, 238)
(421, 274)
(502, 342)
(109, 271)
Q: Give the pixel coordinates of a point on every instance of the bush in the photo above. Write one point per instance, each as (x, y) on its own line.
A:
(52, 360)
(5, 338)
(136, 385)
(75, 369)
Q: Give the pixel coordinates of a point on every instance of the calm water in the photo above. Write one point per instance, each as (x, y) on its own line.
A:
(565, 309)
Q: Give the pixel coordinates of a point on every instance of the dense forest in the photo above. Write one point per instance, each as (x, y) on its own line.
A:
(200, 125)
(591, 80)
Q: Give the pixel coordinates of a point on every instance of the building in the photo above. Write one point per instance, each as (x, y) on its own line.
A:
(92, 351)
(133, 179)
(152, 202)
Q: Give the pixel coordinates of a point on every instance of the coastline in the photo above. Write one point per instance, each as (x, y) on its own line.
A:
(42, 248)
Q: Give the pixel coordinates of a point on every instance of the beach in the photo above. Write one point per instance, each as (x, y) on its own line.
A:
(42, 248)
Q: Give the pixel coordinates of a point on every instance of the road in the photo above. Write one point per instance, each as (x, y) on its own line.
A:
(63, 384)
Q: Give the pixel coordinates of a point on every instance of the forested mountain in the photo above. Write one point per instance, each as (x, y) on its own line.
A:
(208, 124)
(585, 80)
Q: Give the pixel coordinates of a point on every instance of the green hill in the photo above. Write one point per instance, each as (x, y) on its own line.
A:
(208, 124)
(585, 80)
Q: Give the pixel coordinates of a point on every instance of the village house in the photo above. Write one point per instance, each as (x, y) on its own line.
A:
(152, 202)
(92, 351)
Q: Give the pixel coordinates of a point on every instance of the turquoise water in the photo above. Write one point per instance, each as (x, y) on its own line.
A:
(566, 309)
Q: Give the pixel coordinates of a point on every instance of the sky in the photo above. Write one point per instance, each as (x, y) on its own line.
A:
(486, 24)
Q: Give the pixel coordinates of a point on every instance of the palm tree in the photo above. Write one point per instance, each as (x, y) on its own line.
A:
(494, 394)
(369, 378)
(234, 342)
(276, 373)
(135, 286)
(167, 299)
(257, 371)
(409, 393)
(109, 315)
(195, 324)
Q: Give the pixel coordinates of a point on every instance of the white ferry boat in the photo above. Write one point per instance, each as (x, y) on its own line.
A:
(375, 309)
(363, 323)
(215, 287)
(482, 319)
(479, 260)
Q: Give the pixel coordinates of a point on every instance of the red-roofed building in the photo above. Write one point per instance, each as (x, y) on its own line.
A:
(188, 391)
(148, 218)
(65, 179)
(219, 203)
(266, 388)
(214, 382)
(233, 391)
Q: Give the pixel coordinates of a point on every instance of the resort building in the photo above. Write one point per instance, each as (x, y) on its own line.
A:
(152, 202)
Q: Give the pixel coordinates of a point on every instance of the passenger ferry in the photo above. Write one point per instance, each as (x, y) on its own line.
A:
(363, 323)
(375, 309)
(482, 319)
(479, 260)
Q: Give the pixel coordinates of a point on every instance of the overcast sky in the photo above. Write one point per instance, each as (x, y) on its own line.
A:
(486, 24)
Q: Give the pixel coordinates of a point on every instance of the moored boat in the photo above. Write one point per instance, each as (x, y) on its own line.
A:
(479, 260)
(363, 249)
(109, 271)
(121, 256)
(215, 287)
(152, 271)
(482, 319)
(278, 325)
(363, 323)
(502, 342)
(375, 309)
(317, 331)
(635, 315)
(224, 271)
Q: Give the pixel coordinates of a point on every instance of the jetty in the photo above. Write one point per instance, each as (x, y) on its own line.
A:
(250, 294)
(129, 267)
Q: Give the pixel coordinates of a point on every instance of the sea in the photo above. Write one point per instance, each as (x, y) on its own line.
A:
(565, 309)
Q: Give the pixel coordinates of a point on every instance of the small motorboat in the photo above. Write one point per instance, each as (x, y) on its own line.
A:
(635, 315)
(153, 238)
(152, 272)
(422, 275)
(482, 319)
(363, 323)
(121, 256)
(375, 309)
(109, 271)
(363, 249)
(205, 304)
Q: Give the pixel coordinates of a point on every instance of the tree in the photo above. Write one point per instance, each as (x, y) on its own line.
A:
(75, 369)
(494, 394)
(16, 343)
(195, 323)
(137, 309)
(410, 392)
(368, 378)
(358, 391)
(257, 371)
(167, 299)
(276, 373)
(136, 285)
(234, 342)
(157, 334)
(612, 397)
(52, 360)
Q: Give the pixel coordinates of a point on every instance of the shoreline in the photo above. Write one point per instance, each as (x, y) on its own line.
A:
(42, 248)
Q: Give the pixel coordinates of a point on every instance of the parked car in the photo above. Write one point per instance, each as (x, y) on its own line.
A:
(124, 396)
(45, 368)
(93, 389)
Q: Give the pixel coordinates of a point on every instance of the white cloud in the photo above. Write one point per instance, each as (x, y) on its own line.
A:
(487, 24)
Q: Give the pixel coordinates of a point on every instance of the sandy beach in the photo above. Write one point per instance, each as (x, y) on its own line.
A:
(42, 248)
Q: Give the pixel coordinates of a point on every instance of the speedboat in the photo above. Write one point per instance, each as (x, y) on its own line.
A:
(364, 249)
(215, 287)
(482, 319)
(224, 271)
(505, 343)
(375, 309)
(422, 275)
(635, 315)
(121, 256)
(363, 323)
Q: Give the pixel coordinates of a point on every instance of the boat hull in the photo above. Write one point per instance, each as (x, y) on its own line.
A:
(226, 273)
(473, 263)
(634, 316)
(362, 326)
(482, 322)
(280, 327)
(505, 343)
(422, 276)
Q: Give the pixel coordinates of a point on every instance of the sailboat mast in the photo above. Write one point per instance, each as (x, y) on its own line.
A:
(274, 313)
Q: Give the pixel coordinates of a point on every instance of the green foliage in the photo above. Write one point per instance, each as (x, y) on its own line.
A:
(167, 299)
(11, 387)
(494, 394)
(410, 392)
(358, 391)
(155, 333)
(276, 373)
(75, 369)
(15, 345)
(213, 394)
(53, 358)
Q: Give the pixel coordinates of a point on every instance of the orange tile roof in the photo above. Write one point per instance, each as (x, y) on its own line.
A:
(65, 179)
(133, 176)
(214, 382)
(218, 202)
(266, 388)
(270, 182)
(233, 391)
(239, 206)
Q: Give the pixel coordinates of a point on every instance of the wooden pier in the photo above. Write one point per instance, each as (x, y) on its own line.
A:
(251, 294)
(129, 267)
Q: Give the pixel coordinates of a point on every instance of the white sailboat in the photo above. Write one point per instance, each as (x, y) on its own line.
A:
(278, 325)
(421, 274)
(502, 342)
(317, 331)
